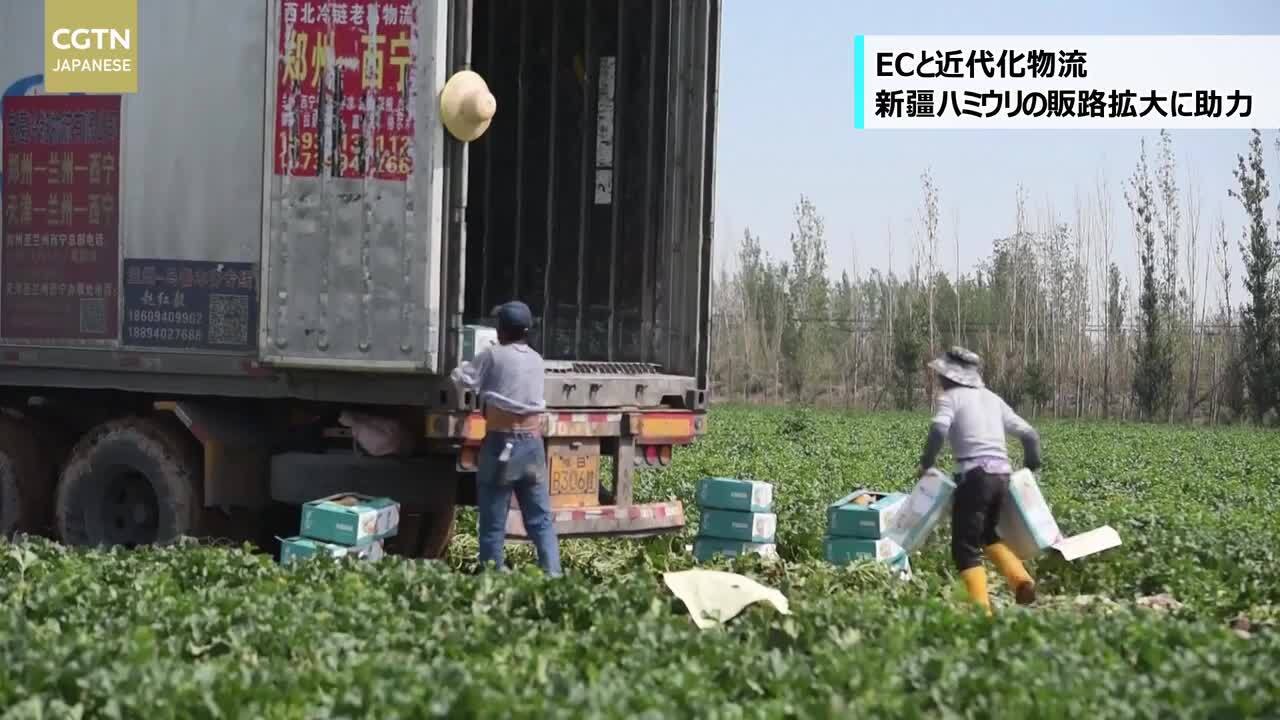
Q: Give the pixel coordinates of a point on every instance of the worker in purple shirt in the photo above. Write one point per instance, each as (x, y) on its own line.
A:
(975, 420)
(508, 378)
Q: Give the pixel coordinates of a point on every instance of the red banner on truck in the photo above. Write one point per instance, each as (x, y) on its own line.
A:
(60, 265)
(344, 88)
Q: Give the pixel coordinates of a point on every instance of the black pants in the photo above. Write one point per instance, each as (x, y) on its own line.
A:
(974, 515)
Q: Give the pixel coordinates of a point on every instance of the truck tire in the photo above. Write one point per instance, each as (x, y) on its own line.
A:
(27, 478)
(131, 482)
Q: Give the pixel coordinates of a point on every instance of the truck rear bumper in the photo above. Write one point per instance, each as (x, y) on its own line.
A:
(607, 521)
(649, 427)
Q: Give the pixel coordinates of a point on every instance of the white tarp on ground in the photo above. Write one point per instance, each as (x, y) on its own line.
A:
(714, 597)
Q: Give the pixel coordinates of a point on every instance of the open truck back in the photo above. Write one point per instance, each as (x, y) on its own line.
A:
(201, 278)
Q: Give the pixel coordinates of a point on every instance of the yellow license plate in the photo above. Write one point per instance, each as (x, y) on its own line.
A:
(574, 472)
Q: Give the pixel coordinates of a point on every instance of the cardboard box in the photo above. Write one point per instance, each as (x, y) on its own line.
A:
(1026, 524)
(731, 494)
(744, 526)
(350, 519)
(476, 338)
(863, 514)
(1028, 527)
(929, 502)
(845, 550)
(705, 548)
(299, 548)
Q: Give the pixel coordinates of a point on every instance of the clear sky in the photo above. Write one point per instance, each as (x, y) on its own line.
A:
(786, 128)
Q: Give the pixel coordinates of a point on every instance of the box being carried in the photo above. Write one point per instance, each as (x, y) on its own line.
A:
(863, 514)
(929, 502)
(475, 339)
(743, 526)
(299, 548)
(705, 548)
(350, 519)
(730, 494)
(1027, 526)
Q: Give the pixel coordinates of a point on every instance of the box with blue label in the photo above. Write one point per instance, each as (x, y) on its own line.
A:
(350, 519)
(928, 503)
(732, 494)
(706, 548)
(864, 514)
(744, 526)
(299, 548)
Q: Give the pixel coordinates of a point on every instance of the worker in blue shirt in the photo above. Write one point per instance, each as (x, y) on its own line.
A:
(508, 379)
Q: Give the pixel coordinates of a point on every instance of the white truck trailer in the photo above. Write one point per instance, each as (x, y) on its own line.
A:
(198, 280)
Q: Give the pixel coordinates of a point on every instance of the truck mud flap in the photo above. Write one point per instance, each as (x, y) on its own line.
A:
(607, 521)
(297, 478)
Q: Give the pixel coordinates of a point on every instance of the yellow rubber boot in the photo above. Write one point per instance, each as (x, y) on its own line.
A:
(1020, 582)
(975, 582)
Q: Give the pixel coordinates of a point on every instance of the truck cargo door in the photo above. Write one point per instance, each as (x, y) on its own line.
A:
(352, 208)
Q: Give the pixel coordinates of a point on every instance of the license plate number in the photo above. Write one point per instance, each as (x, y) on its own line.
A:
(574, 473)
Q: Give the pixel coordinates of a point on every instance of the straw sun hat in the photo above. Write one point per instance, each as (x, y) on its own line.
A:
(960, 366)
(466, 106)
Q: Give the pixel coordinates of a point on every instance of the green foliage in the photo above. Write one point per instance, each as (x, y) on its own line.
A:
(1038, 385)
(1153, 355)
(1117, 299)
(210, 632)
(808, 290)
(909, 336)
(1260, 321)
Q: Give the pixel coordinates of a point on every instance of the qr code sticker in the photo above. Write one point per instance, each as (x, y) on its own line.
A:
(228, 319)
(93, 316)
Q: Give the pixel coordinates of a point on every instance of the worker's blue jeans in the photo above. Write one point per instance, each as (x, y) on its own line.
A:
(525, 474)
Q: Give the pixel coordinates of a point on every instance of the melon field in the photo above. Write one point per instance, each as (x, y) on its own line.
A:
(1177, 622)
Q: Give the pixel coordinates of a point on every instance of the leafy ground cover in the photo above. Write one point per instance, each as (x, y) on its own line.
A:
(206, 632)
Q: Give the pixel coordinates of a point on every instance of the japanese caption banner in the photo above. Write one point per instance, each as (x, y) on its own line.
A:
(1141, 82)
(344, 88)
(60, 263)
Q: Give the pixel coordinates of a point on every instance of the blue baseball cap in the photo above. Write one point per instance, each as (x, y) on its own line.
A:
(514, 315)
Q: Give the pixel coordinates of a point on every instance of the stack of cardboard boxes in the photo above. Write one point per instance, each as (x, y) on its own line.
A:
(343, 525)
(858, 528)
(737, 518)
(886, 527)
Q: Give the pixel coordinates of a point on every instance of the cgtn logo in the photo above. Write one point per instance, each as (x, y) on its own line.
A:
(93, 39)
(91, 46)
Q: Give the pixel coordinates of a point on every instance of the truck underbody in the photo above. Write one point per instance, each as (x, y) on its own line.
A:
(111, 467)
(590, 200)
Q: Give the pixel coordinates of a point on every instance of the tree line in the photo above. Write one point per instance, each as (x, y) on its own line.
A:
(1060, 328)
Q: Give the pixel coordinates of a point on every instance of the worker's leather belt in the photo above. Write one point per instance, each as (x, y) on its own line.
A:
(500, 421)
